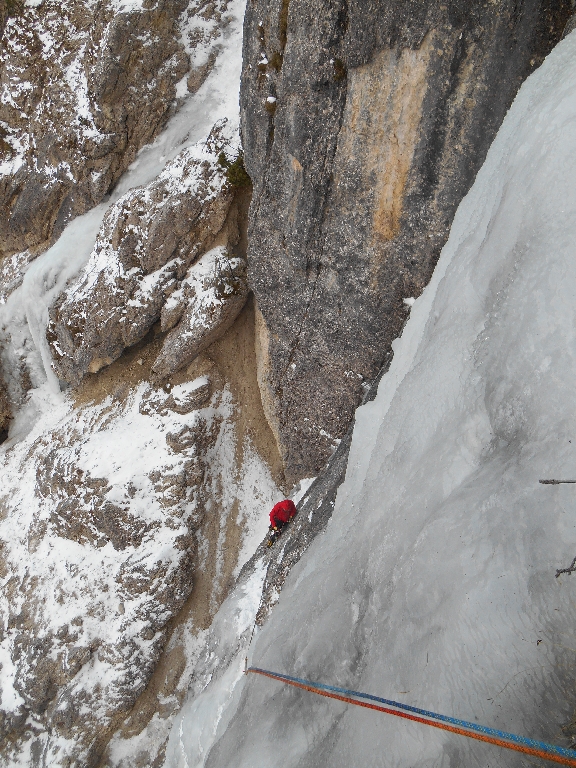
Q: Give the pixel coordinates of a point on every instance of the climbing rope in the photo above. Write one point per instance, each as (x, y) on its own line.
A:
(462, 727)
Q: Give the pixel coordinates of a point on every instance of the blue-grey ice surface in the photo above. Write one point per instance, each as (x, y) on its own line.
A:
(434, 582)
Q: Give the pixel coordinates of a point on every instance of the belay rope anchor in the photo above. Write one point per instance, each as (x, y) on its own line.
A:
(462, 727)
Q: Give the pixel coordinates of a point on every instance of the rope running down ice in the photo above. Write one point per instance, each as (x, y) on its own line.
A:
(462, 727)
(264, 582)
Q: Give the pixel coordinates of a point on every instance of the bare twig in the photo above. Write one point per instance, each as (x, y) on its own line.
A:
(570, 569)
(555, 482)
(529, 669)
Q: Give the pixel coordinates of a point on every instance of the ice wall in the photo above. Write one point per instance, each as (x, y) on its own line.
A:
(434, 583)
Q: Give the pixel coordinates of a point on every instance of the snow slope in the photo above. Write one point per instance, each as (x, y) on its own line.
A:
(434, 582)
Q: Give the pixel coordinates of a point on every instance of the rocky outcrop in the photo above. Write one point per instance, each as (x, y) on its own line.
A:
(129, 567)
(202, 309)
(364, 124)
(108, 520)
(146, 244)
(5, 410)
(83, 86)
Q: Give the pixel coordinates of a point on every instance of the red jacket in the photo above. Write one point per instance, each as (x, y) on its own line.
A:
(282, 512)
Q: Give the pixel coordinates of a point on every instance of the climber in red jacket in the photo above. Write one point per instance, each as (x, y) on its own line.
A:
(280, 514)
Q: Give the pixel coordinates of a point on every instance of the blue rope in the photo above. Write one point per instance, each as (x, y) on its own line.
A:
(542, 745)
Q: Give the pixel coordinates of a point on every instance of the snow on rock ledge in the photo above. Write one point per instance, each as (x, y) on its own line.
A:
(146, 243)
(208, 301)
(109, 515)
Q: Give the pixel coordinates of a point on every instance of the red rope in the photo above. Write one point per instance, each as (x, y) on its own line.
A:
(425, 721)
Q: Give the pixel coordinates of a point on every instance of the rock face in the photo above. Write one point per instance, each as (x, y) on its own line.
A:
(204, 307)
(128, 502)
(130, 551)
(145, 247)
(364, 124)
(84, 85)
(108, 520)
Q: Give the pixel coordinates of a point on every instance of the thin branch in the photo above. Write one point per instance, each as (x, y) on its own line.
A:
(570, 569)
(555, 482)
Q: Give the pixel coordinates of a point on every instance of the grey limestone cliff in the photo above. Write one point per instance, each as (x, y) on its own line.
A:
(364, 123)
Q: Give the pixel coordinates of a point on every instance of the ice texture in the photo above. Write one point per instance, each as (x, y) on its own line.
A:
(434, 582)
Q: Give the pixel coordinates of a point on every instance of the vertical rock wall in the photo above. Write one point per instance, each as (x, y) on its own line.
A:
(364, 124)
(83, 86)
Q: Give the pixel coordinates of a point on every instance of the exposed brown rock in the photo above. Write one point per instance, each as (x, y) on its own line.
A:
(88, 86)
(208, 301)
(143, 251)
(190, 398)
